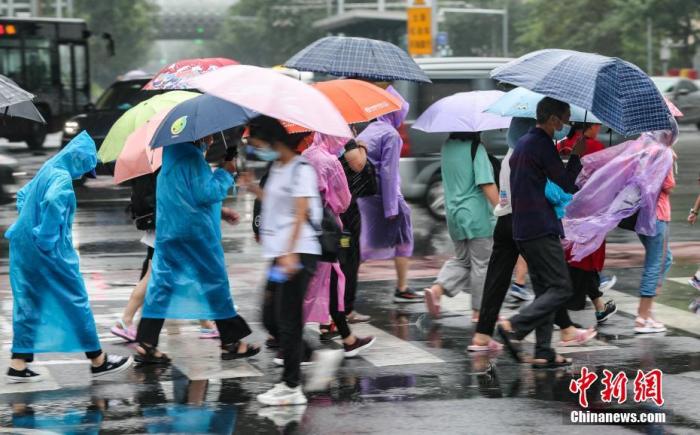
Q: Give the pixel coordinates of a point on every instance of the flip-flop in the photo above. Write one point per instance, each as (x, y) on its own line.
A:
(513, 348)
(250, 351)
(432, 304)
(553, 364)
(493, 346)
(582, 336)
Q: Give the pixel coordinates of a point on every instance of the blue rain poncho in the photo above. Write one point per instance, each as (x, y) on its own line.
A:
(51, 311)
(188, 273)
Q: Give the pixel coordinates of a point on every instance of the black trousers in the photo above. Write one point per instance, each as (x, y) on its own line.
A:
(351, 268)
(498, 275)
(339, 318)
(551, 282)
(146, 262)
(29, 357)
(283, 308)
(231, 330)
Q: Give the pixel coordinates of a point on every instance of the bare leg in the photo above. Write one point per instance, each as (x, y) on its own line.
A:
(520, 271)
(136, 298)
(438, 291)
(207, 324)
(18, 364)
(645, 305)
(401, 264)
(96, 362)
(599, 304)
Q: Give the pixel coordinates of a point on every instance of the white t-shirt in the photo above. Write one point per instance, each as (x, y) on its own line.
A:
(296, 179)
(504, 208)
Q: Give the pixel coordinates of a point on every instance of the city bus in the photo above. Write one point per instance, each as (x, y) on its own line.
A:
(49, 58)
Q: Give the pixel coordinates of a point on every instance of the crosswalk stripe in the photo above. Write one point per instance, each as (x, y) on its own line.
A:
(673, 317)
(389, 350)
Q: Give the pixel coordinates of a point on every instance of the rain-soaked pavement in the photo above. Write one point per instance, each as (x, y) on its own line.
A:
(416, 379)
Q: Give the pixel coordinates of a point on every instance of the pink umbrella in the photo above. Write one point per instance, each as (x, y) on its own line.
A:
(175, 75)
(675, 111)
(270, 93)
(137, 158)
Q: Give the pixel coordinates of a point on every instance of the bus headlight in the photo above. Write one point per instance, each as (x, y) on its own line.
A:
(71, 128)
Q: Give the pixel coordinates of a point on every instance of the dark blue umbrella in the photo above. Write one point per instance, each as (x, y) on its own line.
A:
(198, 117)
(617, 92)
(352, 57)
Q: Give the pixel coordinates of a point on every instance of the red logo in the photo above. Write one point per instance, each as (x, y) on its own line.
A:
(582, 385)
(615, 387)
(647, 386)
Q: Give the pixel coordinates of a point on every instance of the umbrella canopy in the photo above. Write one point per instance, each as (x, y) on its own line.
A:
(462, 112)
(134, 118)
(16, 102)
(175, 75)
(196, 118)
(619, 93)
(358, 57)
(356, 100)
(137, 158)
(522, 103)
(273, 94)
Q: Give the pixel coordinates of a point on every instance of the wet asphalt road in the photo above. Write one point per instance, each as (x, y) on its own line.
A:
(416, 379)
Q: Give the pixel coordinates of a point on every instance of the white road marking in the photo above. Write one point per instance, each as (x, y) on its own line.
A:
(389, 350)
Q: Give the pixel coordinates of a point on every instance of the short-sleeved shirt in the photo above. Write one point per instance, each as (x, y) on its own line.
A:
(469, 214)
(285, 183)
(663, 205)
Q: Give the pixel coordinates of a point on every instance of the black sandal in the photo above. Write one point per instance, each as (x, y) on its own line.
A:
(231, 351)
(509, 342)
(552, 363)
(150, 356)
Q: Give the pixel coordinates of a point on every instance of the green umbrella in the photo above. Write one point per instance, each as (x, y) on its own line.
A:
(135, 118)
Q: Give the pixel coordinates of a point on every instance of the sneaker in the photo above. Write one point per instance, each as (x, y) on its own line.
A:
(648, 326)
(520, 293)
(281, 394)
(208, 333)
(127, 333)
(694, 282)
(326, 363)
(283, 416)
(360, 345)
(609, 310)
(112, 364)
(356, 317)
(606, 283)
(14, 376)
(407, 296)
(279, 361)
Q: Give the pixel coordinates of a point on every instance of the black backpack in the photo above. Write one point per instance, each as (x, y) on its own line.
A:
(495, 163)
(143, 201)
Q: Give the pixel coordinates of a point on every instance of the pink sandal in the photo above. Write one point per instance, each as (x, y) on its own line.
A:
(124, 332)
(493, 346)
(582, 336)
(432, 303)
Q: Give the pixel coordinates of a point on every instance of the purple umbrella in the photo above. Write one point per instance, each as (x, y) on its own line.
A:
(462, 112)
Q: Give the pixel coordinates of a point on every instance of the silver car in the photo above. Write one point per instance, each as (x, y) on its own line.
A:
(685, 94)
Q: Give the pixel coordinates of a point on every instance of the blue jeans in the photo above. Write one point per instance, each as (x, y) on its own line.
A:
(657, 255)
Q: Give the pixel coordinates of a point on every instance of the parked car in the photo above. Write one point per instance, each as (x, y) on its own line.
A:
(685, 94)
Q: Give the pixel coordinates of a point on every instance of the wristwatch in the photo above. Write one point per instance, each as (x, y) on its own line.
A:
(693, 211)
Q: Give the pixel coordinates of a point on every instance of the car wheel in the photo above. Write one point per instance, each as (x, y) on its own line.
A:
(435, 198)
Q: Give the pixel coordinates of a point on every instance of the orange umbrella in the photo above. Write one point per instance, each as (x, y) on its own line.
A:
(357, 101)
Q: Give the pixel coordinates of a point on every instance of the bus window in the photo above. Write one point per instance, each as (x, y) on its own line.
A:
(81, 76)
(37, 58)
(11, 60)
(66, 64)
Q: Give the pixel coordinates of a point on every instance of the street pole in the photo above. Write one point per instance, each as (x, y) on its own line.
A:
(505, 31)
(650, 58)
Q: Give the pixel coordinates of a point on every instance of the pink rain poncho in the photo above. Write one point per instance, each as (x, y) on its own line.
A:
(616, 183)
(333, 186)
(386, 218)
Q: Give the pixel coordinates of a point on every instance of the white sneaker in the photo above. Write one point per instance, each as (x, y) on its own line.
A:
(281, 395)
(648, 326)
(283, 416)
(607, 282)
(326, 363)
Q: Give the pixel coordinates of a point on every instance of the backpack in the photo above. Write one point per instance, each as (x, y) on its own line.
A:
(495, 163)
(143, 202)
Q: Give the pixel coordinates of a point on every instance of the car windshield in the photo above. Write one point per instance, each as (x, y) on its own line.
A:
(123, 96)
(665, 84)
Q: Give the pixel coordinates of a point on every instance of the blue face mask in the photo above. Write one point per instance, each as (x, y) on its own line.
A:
(266, 155)
(561, 134)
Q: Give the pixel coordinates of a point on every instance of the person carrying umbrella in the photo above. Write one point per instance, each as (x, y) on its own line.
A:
(51, 308)
(189, 278)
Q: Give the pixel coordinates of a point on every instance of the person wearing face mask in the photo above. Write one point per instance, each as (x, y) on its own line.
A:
(51, 311)
(291, 210)
(188, 272)
(537, 231)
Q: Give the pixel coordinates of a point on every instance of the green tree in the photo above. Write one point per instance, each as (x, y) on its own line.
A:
(132, 26)
(267, 32)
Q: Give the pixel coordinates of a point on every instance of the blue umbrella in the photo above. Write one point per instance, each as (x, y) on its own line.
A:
(522, 103)
(618, 92)
(198, 117)
(353, 57)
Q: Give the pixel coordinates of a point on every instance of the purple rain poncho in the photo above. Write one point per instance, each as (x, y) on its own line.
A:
(334, 190)
(616, 183)
(386, 218)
